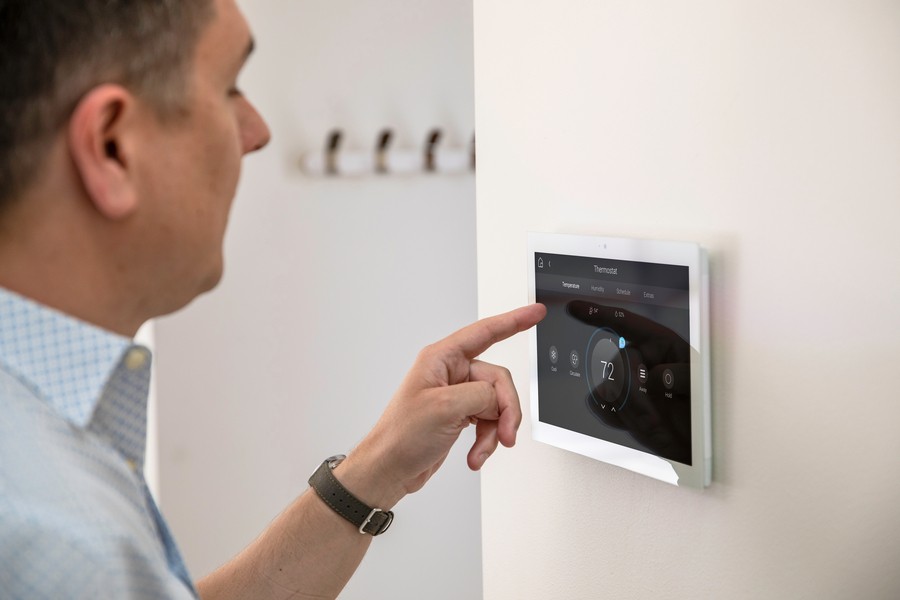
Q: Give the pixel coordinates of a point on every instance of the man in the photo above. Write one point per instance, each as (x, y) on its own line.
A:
(121, 135)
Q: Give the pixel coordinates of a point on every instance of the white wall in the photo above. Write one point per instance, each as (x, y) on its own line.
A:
(769, 132)
(331, 288)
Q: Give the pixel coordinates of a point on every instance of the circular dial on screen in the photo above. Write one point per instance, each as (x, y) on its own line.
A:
(607, 372)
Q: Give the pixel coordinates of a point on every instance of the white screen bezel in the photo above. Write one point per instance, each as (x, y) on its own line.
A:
(686, 254)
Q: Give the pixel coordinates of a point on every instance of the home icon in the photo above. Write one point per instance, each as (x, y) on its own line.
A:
(540, 263)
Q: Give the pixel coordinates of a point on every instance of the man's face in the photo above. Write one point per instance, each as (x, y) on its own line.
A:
(190, 177)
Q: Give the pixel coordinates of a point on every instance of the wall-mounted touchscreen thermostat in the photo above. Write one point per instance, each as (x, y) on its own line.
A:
(620, 365)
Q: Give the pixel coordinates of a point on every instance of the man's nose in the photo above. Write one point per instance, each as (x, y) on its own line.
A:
(254, 130)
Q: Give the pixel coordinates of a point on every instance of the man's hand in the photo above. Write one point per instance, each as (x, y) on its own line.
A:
(446, 390)
(310, 551)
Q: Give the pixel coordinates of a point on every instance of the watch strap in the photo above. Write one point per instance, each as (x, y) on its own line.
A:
(372, 521)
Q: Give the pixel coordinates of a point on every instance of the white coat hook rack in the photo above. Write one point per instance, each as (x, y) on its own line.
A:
(434, 158)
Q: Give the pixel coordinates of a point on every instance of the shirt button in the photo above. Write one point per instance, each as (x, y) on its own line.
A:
(136, 359)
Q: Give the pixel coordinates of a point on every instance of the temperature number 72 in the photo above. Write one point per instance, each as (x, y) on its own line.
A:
(611, 369)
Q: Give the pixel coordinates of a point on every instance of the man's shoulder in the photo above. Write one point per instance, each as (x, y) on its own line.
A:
(72, 519)
(55, 474)
(29, 424)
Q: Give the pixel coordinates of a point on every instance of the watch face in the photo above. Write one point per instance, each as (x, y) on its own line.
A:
(335, 460)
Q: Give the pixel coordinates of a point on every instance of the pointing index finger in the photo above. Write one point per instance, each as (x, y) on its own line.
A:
(481, 335)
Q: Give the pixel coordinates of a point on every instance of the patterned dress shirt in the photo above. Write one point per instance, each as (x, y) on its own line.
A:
(76, 517)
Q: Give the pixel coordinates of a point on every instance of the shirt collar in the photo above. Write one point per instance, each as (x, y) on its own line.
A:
(66, 362)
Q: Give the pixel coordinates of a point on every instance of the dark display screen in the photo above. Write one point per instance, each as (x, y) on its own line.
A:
(614, 351)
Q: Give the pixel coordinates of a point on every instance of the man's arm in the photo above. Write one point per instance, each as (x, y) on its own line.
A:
(310, 551)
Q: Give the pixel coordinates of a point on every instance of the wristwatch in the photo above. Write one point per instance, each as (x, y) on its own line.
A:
(372, 521)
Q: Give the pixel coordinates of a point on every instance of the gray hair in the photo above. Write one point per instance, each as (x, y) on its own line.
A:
(52, 52)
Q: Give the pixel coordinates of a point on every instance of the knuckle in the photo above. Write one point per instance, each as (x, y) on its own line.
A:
(429, 353)
(443, 399)
(484, 388)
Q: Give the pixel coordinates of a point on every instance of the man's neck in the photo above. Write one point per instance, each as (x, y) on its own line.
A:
(53, 255)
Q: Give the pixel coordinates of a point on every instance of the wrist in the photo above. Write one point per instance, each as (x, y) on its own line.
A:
(365, 479)
(367, 519)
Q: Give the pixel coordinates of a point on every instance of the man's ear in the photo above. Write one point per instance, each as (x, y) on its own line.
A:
(96, 138)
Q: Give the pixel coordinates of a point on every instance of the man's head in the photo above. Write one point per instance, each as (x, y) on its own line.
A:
(121, 137)
(54, 51)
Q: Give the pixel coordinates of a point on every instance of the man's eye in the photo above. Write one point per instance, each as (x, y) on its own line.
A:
(235, 92)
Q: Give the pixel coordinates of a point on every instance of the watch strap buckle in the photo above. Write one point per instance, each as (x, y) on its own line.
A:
(377, 522)
(367, 520)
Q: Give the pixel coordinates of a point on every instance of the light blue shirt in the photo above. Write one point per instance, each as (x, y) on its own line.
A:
(76, 518)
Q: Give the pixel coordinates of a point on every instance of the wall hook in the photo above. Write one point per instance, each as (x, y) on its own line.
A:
(431, 150)
(381, 149)
(335, 160)
(331, 150)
